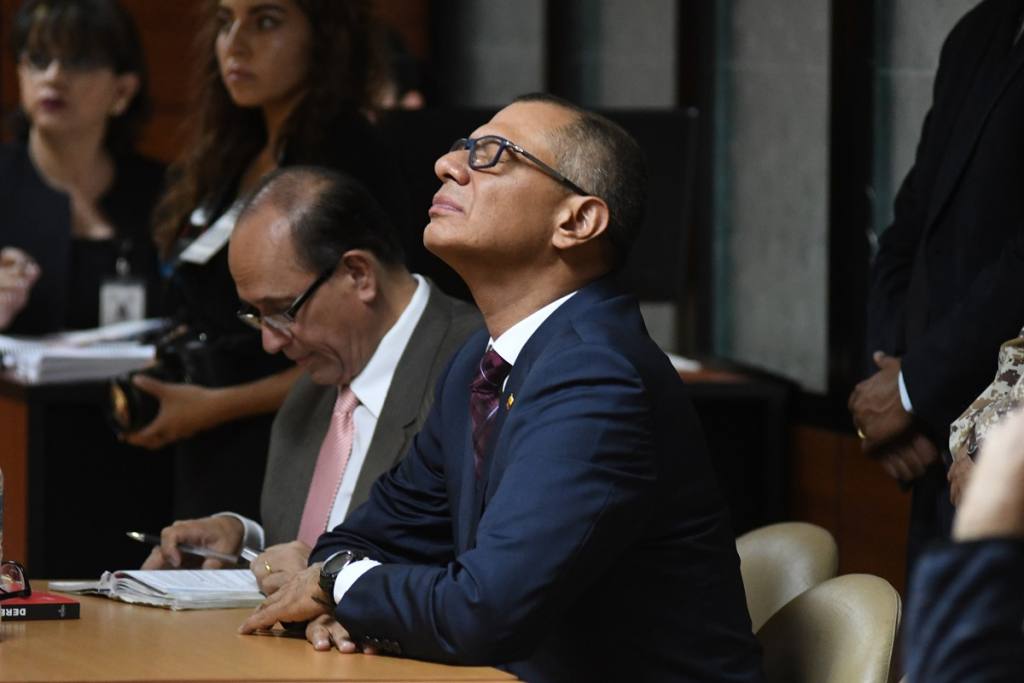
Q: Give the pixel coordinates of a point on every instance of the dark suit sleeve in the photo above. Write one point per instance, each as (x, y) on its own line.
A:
(957, 358)
(891, 268)
(890, 271)
(581, 480)
(965, 614)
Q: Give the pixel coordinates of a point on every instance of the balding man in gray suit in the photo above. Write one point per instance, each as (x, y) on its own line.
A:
(319, 271)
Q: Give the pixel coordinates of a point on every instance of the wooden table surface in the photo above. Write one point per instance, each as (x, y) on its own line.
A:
(113, 641)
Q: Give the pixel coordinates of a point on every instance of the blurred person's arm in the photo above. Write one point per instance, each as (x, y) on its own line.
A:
(187, 409)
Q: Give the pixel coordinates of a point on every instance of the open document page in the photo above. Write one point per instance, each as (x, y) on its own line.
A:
(173, 588)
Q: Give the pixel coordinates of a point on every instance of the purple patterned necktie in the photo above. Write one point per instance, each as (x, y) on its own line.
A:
(484, 392)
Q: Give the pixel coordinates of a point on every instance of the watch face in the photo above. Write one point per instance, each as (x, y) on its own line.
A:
(335, 563)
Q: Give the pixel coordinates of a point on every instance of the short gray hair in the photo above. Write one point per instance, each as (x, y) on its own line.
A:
(601, 157)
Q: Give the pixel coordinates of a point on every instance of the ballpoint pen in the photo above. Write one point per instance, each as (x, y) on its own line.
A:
(247, 554)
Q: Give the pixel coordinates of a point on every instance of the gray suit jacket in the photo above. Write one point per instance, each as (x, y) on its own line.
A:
(302, 421)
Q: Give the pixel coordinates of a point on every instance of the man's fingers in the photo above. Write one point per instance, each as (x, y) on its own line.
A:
(155, 559)
(905, 466)
(884, 360)
(151, 386)
(888, 468)
(149, 437)
(266, 615)
(903, 473)
(899, 468)
(340, 637)
(915, 465)
(261, 618)
(325, 632)
(271, 583)
(913, 461)
(319, 636)
(169, 546)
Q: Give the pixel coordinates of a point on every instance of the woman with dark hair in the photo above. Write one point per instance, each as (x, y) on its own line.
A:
(282, 82)
(75, 200)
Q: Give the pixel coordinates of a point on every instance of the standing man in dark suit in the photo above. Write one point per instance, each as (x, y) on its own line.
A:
(557, 515)
(967, 604)
(946, 283)
(365, 324)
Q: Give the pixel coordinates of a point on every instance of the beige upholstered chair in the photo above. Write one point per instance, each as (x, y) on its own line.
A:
(781, 561)
(840, 631)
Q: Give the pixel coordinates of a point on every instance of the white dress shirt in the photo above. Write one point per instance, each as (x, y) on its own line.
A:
(508, 346)
(371, 388)
(904, 394)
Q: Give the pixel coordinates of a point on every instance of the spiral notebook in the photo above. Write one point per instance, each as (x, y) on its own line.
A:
(78, 356)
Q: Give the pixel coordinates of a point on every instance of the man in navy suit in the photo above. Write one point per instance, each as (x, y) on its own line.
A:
(557, 516)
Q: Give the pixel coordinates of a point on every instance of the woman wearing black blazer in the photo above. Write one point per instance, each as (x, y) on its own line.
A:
(75, 199)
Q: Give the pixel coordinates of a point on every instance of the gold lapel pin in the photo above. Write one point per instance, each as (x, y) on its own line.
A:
(510, 401)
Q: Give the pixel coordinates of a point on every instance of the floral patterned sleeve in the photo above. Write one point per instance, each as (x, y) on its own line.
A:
(1004, 395)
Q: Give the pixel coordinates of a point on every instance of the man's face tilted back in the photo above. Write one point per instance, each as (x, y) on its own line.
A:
(334, 333)
(502, 217)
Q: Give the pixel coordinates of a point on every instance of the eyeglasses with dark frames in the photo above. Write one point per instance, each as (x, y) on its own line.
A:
(13, 581)
(485, 152)
(282, 322)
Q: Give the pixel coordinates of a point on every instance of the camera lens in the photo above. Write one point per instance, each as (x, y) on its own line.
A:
(131, 408)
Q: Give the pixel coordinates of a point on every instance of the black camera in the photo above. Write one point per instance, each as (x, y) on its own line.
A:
(181, 356)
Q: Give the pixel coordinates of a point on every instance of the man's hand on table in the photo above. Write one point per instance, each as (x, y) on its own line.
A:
(299, 600)
(276, 565)
(325, 632)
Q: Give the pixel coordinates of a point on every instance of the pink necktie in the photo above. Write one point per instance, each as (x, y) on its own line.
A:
(330, 468)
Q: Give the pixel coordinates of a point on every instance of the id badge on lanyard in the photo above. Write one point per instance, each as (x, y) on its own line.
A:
(122, 297)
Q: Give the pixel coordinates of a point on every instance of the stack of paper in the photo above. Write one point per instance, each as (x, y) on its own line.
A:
(78, 356)
(173, 588)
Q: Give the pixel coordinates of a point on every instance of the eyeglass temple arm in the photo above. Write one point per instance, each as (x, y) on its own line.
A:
(548, 169)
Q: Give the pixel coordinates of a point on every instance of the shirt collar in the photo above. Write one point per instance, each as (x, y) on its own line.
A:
(509, 344)
(371, 385)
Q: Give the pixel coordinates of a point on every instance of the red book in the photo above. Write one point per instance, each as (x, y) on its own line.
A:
(40, 605)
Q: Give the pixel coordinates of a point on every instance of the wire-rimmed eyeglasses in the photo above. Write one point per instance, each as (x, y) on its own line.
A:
(282, 322)
(485, 152)
(13, 581)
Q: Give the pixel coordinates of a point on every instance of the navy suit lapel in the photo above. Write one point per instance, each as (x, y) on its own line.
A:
(468, 510)
(971, 121)
(538, 343)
